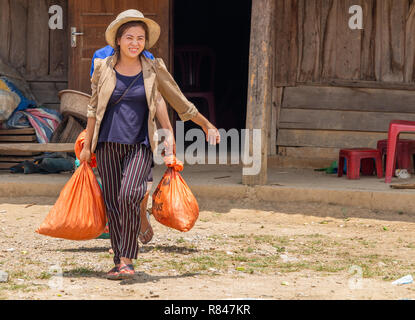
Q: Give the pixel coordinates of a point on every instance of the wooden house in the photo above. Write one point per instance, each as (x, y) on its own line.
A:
(310, 82)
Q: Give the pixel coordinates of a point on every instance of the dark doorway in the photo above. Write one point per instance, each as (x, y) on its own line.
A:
(223, 26)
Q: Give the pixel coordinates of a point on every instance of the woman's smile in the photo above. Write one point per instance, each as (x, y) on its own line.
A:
(134, 50)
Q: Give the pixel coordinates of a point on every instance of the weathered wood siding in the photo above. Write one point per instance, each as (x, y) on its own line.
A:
(341, 87)
(38, 53)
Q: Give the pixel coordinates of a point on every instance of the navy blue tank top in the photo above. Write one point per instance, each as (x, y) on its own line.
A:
(126, 121)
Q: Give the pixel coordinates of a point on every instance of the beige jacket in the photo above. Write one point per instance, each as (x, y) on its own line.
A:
(158, 83)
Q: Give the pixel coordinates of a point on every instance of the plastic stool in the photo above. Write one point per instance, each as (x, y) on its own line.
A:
(354, 158)
(395, 128)
(404, 154)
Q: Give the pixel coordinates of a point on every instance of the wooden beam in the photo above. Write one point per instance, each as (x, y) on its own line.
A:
(340, 120)
(357, 99)
(332, 139)
(260, 84)
(17, 131)
(18, 138)
(38, 147)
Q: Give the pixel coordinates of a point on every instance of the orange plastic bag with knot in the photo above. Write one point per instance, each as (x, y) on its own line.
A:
(79, 213)
(174, 205)
(79, 145)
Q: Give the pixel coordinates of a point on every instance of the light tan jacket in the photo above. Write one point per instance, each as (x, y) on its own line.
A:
(158, 83)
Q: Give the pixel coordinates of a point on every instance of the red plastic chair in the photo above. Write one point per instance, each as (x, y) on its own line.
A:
(395, 128)
(354, 158)
(190, 60)
(404, 154)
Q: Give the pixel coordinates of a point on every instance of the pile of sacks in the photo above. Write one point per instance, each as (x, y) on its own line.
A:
(19, 109)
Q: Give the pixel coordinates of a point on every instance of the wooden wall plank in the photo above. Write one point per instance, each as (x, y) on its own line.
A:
(59, 44)
(410, 45)
(18, 138)
(18, 48)
(329, 33)
(367, 71)
(308, 152)
(348, 43)
(37, 147)
(309, 40)
(340, 120)
(332, 139)
(47, 92)
(5, 25)
(277, 96)
(358, 99)
(286, 43)
(17, 131)
(37, 37)
(390, 38)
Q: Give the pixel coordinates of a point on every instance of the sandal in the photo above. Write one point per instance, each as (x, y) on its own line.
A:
(142, 235)
(126, 271)
(114, 273)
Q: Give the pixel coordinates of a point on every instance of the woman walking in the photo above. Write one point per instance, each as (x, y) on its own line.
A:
(127, 95)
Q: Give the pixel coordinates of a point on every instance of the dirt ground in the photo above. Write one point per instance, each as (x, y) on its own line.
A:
(237, 250)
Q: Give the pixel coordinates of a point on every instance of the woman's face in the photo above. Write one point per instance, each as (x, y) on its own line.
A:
(132, 42)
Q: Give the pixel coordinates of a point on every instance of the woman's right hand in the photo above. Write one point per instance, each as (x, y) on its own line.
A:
(85, 155)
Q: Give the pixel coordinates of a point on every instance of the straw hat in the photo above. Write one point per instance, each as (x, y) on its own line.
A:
(132, 15)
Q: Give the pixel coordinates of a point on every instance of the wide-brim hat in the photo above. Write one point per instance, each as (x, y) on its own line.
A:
(128, 16)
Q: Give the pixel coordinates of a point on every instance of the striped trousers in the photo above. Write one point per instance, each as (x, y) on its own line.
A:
(124, 171)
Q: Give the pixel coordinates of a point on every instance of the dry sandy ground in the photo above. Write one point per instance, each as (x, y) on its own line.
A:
(236, 250)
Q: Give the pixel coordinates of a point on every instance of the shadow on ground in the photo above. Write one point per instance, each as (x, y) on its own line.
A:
(224, 206)
(139, 277)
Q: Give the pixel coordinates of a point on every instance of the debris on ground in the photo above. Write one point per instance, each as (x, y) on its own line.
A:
(4, 277)
(404, 280)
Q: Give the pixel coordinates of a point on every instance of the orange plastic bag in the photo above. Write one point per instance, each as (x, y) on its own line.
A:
(174, 205)
(79, 213)
(79, 145)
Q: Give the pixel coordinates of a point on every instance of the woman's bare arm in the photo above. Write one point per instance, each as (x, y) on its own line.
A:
(163, 118)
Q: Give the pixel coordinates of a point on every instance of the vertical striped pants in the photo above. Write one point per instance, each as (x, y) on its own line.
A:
(124, 171)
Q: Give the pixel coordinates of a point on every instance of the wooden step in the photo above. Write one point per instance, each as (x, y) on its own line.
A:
(37, 147)
(27, 131)
(7, 165)
(20, 153)
(18, 138)
(15, 159)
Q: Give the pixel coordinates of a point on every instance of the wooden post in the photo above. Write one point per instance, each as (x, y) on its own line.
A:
(260, 83)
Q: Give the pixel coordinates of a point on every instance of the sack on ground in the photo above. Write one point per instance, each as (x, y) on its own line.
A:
(79, 213)
(8, 103)
(174, 204)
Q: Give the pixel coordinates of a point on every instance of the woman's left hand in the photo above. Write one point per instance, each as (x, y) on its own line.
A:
(212, 134)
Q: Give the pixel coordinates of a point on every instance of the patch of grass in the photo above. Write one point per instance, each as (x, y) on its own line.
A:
(81, 271)
(19, 275)
(180, 240)
(331, 268)
(241, 259)
(214, 237)
(279, 249)
(270, 239)
(239, 236)
(288, 267)
(313, 235)
(105, 256)
(45, 275)
(17, 287)
(177, 265)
